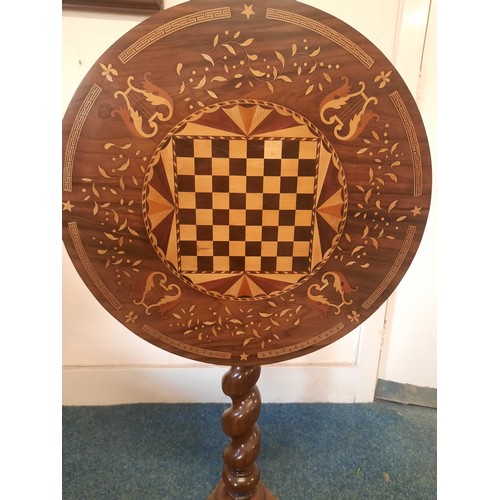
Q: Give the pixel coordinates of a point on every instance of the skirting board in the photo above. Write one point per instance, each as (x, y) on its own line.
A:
(406, 393)
(277, 384)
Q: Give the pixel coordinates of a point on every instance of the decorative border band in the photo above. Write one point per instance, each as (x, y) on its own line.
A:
(334, 36)
(302, 345)
(403, 251)
(185, 347)
(80, 250)
(172, 27)
(412, 139)
(74, 135)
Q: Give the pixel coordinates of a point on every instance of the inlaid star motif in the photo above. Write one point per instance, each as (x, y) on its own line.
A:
(416, 211)
(248, 10)
(243, 357)
(67, 206)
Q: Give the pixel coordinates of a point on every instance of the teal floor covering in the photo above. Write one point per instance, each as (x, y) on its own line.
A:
(380, 450)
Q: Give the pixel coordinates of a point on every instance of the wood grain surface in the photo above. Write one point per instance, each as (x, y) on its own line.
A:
(243, 183)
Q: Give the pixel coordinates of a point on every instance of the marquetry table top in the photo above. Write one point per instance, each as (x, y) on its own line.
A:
(243, 183)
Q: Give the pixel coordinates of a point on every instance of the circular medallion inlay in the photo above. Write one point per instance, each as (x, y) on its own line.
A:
(245, 199)
(243, 185)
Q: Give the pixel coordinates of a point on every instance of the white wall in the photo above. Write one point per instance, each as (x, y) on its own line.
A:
(409, 352)
(97, 348)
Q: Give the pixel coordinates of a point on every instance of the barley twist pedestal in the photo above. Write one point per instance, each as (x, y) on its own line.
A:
(240, 476)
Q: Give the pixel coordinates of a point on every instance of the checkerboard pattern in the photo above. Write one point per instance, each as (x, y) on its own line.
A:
(245, 204)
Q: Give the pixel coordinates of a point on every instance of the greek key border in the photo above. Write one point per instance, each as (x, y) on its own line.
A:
(80, 250)
(74, 135)
(301, 345)
(184, 347)
(412, 139)
(403, 251)
(321, 29)
(171, 27)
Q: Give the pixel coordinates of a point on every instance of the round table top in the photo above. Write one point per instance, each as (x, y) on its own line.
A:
(243, 183)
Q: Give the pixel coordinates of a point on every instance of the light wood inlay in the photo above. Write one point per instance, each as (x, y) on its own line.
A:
(75, 134)
(185, 347)
(171, 27)
(394, 268)
(412, 140)
(334, 36)
(301, 345)
(87, 264)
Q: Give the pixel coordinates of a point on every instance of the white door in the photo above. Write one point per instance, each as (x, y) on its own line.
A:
(104, 363)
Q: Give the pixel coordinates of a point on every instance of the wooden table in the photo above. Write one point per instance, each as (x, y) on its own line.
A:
(243, 184)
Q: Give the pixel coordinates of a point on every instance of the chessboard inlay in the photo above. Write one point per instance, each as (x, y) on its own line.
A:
(244, 200)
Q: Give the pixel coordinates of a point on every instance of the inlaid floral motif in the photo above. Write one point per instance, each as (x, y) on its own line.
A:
(243, 322)
(107, 193)
(379, 220)
(234, 60)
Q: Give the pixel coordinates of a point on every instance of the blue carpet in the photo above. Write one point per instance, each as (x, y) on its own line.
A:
(371, 451)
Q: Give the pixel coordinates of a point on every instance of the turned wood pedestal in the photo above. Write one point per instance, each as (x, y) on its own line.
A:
(241, 474)
(243, 183)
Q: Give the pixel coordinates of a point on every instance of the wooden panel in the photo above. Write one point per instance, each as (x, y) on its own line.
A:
(122, 5)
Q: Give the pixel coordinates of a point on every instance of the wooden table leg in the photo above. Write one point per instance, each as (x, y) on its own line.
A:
(241, 474)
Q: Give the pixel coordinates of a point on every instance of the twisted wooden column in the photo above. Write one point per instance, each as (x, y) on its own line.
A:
(241, 474)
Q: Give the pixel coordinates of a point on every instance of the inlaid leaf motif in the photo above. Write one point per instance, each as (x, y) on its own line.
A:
(208, 58)
(247, 42)
(392, 205)
(257, 72)
(280, 57)
(201, 83)
(103, 172)
(230, 48)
